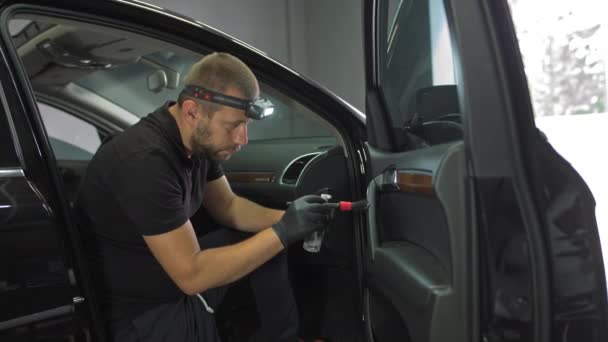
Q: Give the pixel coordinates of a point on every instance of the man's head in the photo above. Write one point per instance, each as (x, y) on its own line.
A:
(213, 129)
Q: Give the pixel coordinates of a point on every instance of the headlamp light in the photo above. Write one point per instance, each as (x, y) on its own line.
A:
(256, 109)
(259, 109)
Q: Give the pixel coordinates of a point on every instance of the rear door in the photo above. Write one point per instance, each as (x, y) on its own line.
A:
(478, 229)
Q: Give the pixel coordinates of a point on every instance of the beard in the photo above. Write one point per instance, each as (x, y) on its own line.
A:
(202, 144)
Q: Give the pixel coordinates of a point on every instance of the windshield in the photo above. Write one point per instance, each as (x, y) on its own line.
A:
(126, 85)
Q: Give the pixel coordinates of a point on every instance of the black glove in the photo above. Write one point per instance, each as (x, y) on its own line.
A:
(302, 217)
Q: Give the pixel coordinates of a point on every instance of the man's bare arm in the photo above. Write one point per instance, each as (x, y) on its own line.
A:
(194, 270)
(235, 211)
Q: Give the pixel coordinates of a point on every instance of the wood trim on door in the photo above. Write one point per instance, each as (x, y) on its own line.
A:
(418, 183)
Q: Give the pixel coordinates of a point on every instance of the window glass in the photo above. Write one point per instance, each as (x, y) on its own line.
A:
(126, 86)
(71, 138)
(290, 120)
(79, 64)
(416, 56)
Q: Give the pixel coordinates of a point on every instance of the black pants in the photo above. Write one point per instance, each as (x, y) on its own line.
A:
(187, 319)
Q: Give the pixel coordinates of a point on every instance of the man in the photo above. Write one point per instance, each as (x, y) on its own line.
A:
(158, 280)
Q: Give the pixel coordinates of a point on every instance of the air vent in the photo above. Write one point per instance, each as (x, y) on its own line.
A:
(293, 171)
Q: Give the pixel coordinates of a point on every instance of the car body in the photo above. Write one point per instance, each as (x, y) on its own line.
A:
(477, 229)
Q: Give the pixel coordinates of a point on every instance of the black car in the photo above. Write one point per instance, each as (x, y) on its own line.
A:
(477, 230)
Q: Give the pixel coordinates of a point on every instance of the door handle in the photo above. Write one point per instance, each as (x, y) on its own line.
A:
(385, 182)
(389, 180)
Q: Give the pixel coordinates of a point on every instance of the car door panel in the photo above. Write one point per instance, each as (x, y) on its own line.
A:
(34, 273)
(409, 280)
(415, 220)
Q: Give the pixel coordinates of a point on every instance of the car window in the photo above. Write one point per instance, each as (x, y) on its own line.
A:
(290, 120)
(71, 138)
(127, 86)
(132, 72)
(416, 61)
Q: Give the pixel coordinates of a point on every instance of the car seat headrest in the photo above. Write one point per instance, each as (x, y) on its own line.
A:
(437, 101)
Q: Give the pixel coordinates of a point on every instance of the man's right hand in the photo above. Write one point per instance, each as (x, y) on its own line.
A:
(305, 215)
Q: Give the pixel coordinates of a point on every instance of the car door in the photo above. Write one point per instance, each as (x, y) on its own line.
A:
(477, 228)
(44, 290)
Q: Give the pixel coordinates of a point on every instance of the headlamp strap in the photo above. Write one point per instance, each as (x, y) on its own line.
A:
(213, 96)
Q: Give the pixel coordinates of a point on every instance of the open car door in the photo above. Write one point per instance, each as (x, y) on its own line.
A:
(477, 230)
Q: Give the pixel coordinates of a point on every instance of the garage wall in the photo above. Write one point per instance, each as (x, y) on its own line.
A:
(333, 44)
(262, 26)
(322, 39)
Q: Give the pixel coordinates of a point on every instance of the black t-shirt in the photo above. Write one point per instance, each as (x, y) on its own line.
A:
(141, 182)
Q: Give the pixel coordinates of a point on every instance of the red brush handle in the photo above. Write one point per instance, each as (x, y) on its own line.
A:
(346, 206)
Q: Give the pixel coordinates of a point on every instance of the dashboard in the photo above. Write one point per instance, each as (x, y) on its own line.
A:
(272, 172)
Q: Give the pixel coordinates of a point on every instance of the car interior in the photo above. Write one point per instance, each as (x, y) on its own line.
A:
(91, 81)
(452, 231)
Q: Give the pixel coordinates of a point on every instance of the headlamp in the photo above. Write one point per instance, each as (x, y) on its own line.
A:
(256, 109)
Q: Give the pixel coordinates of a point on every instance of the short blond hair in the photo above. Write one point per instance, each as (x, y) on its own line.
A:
(218, 71)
